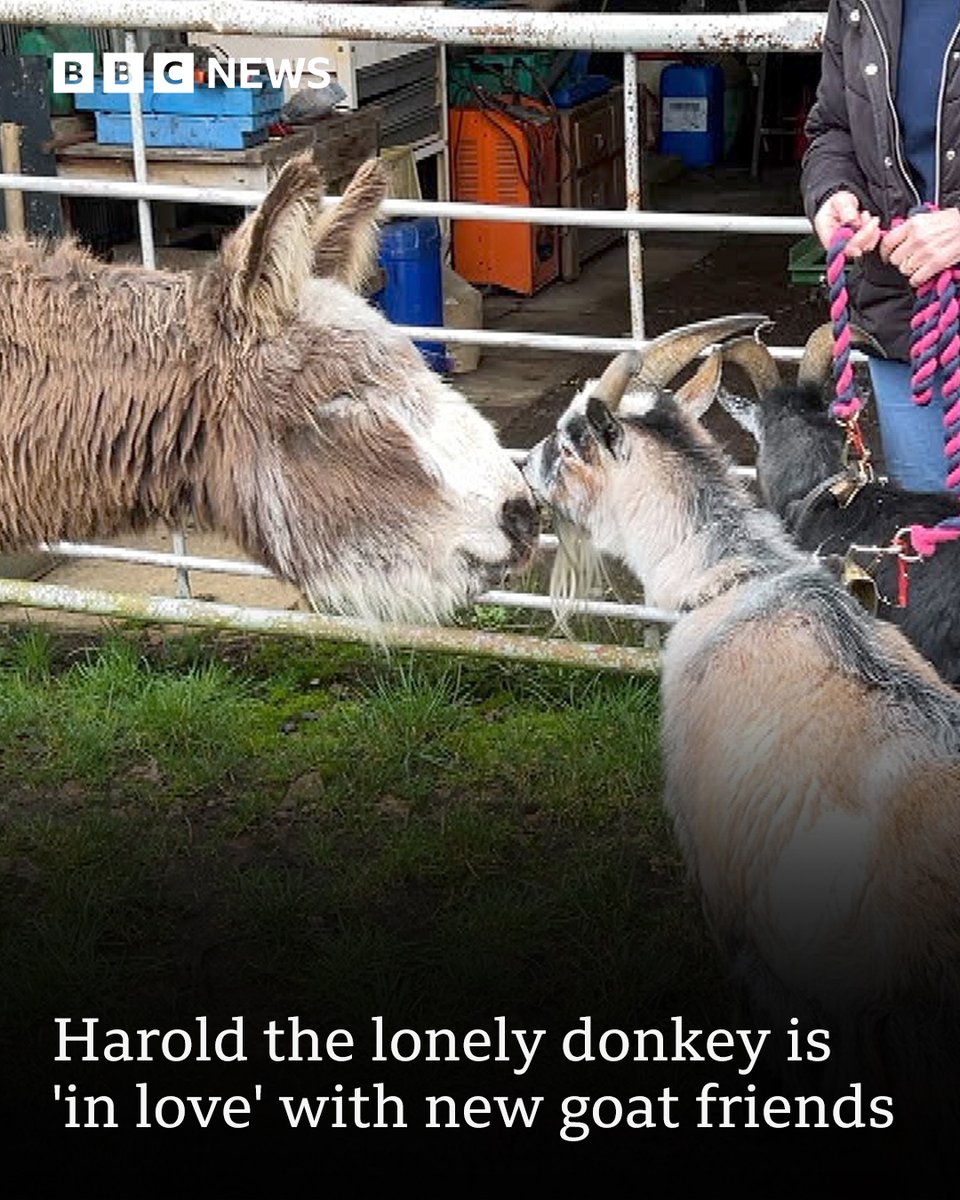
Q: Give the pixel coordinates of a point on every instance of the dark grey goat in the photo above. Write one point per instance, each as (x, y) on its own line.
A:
(800, 450)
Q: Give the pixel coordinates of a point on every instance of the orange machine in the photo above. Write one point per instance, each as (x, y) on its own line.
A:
(505, 155)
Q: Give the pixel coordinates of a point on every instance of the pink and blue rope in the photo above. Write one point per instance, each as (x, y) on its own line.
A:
(934, 349)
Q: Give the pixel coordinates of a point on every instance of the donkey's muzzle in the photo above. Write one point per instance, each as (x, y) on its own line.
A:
(520, 521)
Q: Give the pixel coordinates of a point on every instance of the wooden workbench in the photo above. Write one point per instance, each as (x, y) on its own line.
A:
(253, 168)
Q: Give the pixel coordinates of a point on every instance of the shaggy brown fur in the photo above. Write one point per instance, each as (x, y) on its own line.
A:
(158, 414)
(134, 396)
(339, 253)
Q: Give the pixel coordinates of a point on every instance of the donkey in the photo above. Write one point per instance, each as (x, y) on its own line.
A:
(802, 477)
(811, 756)
(261, 397)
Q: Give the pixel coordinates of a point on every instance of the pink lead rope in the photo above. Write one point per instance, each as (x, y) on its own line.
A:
(934, 346)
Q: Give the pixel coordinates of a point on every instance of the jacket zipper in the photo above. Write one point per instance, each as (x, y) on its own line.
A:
(893, 109)
(943, 88)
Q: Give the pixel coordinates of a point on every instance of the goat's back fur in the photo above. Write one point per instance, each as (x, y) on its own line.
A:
(811, 755)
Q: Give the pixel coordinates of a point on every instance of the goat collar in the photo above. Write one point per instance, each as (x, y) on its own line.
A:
(845, 486)
(721, 582)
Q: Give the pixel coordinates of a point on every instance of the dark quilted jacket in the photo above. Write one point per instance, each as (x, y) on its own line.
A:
(855, 144)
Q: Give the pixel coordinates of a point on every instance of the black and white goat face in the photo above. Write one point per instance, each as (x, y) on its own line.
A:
(799, 444)
(613, 470)
(576, 470)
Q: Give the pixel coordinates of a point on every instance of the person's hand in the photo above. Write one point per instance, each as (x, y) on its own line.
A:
(924, 245)
(843, 208)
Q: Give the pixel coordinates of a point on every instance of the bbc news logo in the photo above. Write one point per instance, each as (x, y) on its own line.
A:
(74, 72)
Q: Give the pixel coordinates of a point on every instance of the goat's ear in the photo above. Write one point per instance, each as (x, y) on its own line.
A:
(268, 257)
(745, 412)
(605, 426)
(345, 236)
(697, 394)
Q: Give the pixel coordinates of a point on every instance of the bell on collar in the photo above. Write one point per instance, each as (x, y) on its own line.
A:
(860, 584)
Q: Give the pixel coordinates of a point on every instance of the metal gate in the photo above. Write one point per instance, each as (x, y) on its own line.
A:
(628, 34)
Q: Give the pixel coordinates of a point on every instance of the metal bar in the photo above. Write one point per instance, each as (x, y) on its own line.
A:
(613, 609)
(606, 218)
(758, 118)
(162, 610)
(572, 343)
(147, 251)
(195, 562)
(13, 202)
(144, 219)
(225, 566)
(179, 540)
(443, 167)
(632, 150)
(617, 32)
(157, 558)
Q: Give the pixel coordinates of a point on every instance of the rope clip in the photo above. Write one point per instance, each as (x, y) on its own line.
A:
(855, 451)
(903, 545)
(901, 540)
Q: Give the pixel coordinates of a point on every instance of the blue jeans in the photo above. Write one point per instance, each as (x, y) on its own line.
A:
(913, 434)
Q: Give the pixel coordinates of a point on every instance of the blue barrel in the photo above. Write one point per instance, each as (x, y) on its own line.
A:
(412, 293)
(691, 113)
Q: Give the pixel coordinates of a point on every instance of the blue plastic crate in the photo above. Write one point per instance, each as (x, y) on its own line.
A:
(171, 129)
(203, 101)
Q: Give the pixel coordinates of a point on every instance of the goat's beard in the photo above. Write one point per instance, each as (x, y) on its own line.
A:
(578, 571)
(405, 596)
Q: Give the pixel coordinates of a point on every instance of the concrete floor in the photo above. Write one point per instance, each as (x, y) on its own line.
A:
(595, 305)
(686, 277)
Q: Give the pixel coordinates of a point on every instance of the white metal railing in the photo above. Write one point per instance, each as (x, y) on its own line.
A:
(625, 33)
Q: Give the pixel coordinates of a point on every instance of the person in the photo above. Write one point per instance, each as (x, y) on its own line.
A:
(883, 140)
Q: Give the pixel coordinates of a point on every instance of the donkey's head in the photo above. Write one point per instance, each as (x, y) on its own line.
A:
(371, 484)
(799, 445)
(614, 470)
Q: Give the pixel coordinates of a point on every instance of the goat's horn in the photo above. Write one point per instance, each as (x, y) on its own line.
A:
(817, 356)
(613, 382)
(818, 352)
(668, 354)
(755, 358)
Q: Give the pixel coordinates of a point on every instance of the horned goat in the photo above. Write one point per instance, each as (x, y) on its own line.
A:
(802, 477)
(261, 397)
(811, 756)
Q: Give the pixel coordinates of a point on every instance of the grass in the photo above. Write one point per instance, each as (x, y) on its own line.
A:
(201, 824)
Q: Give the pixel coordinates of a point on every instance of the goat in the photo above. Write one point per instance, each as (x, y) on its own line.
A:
(801, 476)
(251, 398)
(811, 756)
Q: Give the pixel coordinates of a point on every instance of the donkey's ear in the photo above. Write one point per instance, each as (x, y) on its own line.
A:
(345, 236)
(268, 257)
(698, 393)
(605, 426)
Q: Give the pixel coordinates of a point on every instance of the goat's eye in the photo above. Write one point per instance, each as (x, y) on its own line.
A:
(567, 451)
